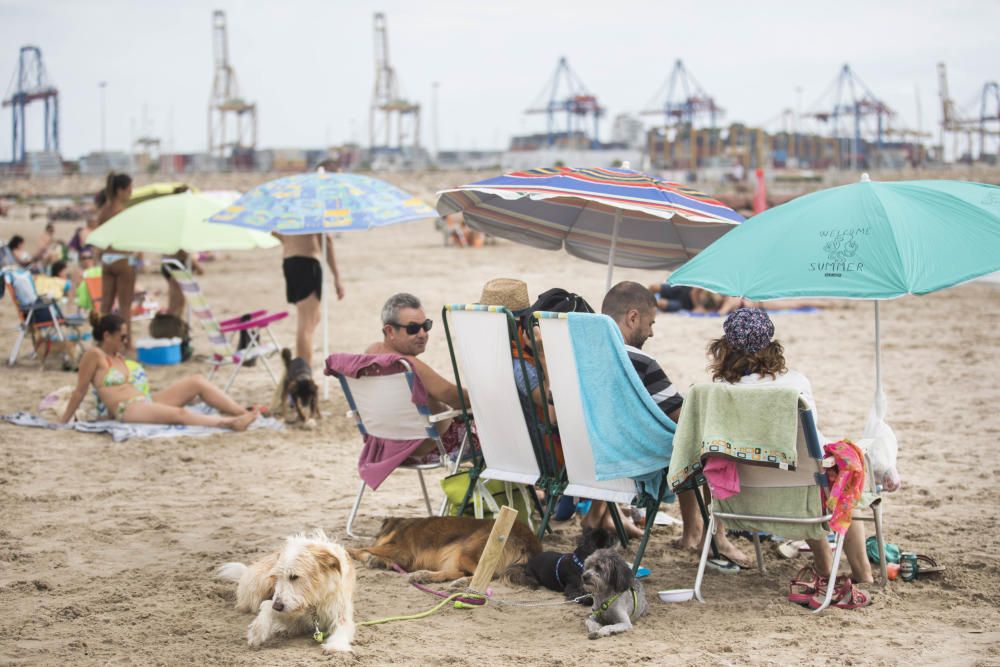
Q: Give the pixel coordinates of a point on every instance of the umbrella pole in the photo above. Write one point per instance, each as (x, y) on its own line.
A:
(323, 314)
(611, 255)
(879, 395)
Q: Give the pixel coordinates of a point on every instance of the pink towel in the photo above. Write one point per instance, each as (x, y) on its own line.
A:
(380, 456)
(722, 477)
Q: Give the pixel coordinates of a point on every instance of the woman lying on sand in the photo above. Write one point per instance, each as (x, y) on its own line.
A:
(103, 366)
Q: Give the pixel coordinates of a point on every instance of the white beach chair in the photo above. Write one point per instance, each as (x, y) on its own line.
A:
(382, 406)
(479, 339)
(808, 475)
(576, 443)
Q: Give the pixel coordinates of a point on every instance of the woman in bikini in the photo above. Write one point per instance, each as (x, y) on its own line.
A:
(118, 271)
(103, 366)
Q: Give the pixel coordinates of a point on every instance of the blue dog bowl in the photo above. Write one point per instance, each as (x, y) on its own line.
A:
(159, 351)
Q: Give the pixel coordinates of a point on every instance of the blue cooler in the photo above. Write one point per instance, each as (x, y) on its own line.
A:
(159, 351)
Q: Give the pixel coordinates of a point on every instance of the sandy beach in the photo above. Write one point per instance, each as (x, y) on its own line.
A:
(107, 551)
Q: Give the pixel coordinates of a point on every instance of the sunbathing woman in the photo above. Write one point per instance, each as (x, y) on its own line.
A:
(746, 355)
(103, 366)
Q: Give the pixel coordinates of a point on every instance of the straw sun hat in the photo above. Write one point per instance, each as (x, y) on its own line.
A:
(510, 293)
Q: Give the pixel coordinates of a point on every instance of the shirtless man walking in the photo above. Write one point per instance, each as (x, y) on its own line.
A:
(304, 284)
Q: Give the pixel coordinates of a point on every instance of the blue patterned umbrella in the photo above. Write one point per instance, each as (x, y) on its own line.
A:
(320, 202)
(323, 202)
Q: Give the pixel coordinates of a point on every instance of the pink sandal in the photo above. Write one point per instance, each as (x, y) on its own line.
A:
(845, 596)
(804, 585)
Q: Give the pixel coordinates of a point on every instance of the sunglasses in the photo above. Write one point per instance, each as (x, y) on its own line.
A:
(413, 328)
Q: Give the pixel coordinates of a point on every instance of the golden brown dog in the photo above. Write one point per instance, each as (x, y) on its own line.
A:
(444, 548)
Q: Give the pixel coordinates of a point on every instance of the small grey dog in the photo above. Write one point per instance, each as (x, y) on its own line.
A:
(619, 599)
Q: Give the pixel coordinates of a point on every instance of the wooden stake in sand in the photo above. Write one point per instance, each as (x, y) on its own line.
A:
(493, 550)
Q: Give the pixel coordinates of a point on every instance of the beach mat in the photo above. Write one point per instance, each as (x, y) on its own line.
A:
(121, 431)
(780, 311)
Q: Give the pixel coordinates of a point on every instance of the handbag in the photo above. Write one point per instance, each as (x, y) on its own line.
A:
(487, 497)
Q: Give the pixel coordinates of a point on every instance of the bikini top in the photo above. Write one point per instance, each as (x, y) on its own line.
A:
(114, 377)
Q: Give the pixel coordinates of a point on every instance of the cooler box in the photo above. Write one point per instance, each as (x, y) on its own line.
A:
(159, 351)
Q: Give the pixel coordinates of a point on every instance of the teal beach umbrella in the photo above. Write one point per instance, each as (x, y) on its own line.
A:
(861, 241)
(867, 240)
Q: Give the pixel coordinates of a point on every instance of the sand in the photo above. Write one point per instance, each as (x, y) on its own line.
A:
(107, 551)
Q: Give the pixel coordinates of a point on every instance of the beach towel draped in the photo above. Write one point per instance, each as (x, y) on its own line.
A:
(630, 435)
(379, 456)
(847, 482)
(710, 424)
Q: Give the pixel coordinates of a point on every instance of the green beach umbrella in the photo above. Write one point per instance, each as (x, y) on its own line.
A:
(867, 240)
(172, 223)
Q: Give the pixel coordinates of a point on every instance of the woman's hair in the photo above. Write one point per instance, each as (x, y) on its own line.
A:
(730, 364)
(100, 198)
(105, 324)
(57, 268)
(115, 184)
(16, 241)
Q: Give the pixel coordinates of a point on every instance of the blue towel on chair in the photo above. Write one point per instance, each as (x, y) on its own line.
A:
(629, 434)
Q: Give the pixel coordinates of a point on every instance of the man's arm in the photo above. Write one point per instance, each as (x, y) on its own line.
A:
(438, 387)
(331, 261)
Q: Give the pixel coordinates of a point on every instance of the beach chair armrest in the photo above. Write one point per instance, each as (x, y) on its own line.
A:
(449, 414)
(255, 323)
(238, 320)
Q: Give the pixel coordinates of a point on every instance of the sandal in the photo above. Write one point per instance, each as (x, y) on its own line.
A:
(845, 596)
(804, 585)
(927, 565)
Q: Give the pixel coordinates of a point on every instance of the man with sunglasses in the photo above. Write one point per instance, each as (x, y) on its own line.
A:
(405, 330)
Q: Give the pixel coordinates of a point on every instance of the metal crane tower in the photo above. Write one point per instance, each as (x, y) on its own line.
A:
(226, 109)
(985, 119)
(576, 103)
(32, 85)
(388, 106)
(853, 100)
(686, 101)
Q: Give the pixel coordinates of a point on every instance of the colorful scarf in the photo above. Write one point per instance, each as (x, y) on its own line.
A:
(847, 481)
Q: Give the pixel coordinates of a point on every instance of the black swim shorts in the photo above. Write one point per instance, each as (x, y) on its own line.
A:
(303, 277)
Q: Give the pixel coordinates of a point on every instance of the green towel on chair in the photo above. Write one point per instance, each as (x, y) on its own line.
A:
(711, 423)
(795, 501)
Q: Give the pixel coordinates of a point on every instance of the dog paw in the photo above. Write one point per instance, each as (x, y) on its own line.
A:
(593, 635)
(419, 577)
(309, 424)
(256, 634)
(337, 646)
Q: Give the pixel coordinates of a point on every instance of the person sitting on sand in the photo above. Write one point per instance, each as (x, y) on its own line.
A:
(405, 331)
(674, 298)
(633, 308)
(103, 367)
(748, 355)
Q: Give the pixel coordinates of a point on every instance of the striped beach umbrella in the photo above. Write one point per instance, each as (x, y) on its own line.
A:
(619, 217)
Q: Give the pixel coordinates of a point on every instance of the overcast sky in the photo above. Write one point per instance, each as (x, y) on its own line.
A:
(309, 66)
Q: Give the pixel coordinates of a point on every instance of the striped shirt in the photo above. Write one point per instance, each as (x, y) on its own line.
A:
(655, 380)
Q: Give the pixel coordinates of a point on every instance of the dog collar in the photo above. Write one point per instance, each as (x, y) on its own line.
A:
(579, 563)
(597, 613)
(558, 578)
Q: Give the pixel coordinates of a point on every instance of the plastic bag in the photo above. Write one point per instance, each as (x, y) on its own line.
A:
(881, 446)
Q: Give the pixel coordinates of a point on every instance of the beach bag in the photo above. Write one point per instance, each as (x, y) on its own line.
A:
(558, 300)
(164, 325)
(487, 498)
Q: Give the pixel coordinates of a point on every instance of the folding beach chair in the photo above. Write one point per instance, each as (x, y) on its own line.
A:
(224, 351)
(576, 439)
(39, 317)
(382, 406)
(479, 339)
(773, 494)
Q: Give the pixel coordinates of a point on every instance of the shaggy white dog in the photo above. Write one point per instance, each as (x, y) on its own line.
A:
(306, 588)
